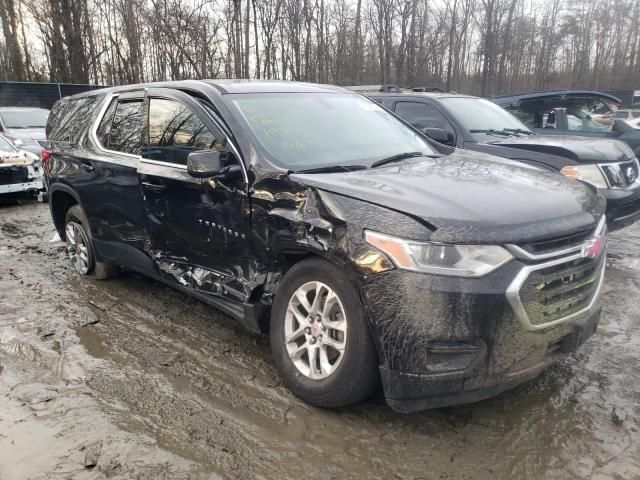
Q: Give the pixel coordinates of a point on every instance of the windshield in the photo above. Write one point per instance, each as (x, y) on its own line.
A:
(481, 114)
(301, 131)
(579, 118)
(6, 146)
(25, 118)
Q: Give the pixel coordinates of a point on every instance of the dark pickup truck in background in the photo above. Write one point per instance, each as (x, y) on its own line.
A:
(478, 124)
(572, 112)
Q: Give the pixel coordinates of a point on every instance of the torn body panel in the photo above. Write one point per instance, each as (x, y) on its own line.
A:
(20, 173)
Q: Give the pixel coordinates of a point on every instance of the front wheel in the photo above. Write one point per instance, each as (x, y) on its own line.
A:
(320, 340)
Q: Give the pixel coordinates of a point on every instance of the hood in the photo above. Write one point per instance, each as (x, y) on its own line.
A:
(578, 149)
(468, 197)
(33, 139)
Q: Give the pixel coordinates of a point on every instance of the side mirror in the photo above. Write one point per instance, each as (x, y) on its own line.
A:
(204, 164)
(18, 143)
(620, 126)
(439, 135)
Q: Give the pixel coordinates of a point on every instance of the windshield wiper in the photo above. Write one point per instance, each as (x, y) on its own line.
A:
(518, 130)
(492, 131)
(396, 158)
(331, 169)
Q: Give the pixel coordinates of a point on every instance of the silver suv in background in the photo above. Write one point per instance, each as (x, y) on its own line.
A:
(25, 127)
(20, 173)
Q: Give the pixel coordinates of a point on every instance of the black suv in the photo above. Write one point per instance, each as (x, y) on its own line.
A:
(477, 124)
(368, 253)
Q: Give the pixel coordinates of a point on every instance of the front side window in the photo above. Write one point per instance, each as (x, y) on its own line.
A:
(175, 131)
(581, 119)
(300, 131)
(421, 116)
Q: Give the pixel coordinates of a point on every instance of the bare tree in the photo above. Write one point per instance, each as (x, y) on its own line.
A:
(476, 46)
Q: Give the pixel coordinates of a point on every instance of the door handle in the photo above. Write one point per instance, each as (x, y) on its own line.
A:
(155, 187)
(87, 166)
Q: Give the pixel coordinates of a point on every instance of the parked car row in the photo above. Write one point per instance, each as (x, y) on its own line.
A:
(24, 127)
(478, 124)
(371, 254)
(22, 137)
(21, 173)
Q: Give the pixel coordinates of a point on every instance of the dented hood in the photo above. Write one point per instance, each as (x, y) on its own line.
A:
(578, 149)
(470, 198)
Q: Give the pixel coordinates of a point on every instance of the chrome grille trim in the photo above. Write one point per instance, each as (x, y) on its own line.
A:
(513, 292)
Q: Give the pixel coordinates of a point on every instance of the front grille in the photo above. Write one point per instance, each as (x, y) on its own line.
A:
(14, 174)
(551, 293)
(621, 174)
(558, 242)
(630, 171)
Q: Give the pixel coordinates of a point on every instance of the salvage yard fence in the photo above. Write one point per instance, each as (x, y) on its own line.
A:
(41, 95)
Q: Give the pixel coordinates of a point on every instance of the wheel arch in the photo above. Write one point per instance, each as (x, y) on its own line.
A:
(61, 199)
(287, 259)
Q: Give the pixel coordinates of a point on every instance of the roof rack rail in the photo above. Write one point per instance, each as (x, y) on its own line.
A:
(375, 88)
(428, 89)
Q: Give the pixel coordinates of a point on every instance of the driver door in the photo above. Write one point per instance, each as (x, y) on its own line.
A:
(198, 228)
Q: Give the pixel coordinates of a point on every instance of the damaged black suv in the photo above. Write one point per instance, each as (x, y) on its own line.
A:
(370, 254)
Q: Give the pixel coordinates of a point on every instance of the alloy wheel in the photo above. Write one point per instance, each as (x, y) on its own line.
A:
(78, 248)
(315, 330)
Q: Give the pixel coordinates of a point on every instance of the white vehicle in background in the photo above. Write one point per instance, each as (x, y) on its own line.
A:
(25, 127)
(21, 174)
(635, 123)
(631, 116)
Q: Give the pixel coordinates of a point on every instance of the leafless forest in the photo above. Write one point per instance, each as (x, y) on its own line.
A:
(476, 46)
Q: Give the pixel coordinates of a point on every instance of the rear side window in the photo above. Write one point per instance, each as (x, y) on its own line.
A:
(121, 126)
(126, 129)
(69, 120)
(421, 115)
(104, 129)
(175, 131)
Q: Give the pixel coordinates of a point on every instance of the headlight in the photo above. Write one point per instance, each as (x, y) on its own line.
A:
(439, 258)
(587, 173)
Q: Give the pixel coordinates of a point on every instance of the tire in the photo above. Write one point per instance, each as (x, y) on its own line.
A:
(340, 377)
(80, 247)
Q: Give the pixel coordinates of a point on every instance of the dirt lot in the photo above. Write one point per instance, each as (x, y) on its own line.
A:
(129, 379)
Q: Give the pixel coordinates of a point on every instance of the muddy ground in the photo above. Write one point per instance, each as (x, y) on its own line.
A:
(127, 378)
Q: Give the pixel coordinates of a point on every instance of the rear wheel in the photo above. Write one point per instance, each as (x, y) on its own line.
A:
(321, 342)
(80, 247)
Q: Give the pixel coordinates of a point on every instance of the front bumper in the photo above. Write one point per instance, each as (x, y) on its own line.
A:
(409, 393)
(445, 340)
(623, 207)
(37, 185)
